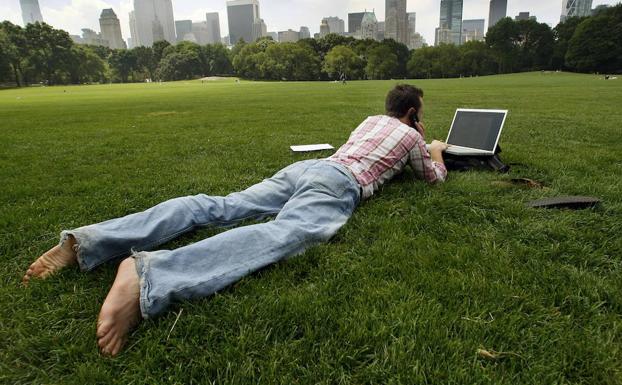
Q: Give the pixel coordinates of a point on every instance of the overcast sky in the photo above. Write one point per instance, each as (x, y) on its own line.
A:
(73, 15)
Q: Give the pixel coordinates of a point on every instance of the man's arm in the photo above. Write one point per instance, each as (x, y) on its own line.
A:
(428, 166)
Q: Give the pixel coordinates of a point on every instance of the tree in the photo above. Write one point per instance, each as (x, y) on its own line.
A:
(596, 45)
(85, 65)
(217, 60)
(180, 65)
(343, 60)
(381, 63)
(503, 38)
(289, 61)
(146, 61)
(248, 60)
(536, 42)
(158, 49)
(123, 62)
(563, 32)
(49, 51)
(476, 59)
(403, 55)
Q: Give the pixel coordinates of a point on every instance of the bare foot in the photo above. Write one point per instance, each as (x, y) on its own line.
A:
(53, 260)
(121, 310)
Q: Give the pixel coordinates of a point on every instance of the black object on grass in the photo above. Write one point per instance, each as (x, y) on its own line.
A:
(568, 202)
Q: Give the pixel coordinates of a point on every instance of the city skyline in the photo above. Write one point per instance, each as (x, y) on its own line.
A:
(279, 15)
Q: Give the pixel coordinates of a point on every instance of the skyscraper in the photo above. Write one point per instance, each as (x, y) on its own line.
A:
(213, 27)
(473, 30)
(369, 26)
(580, 8)
(354, 22)
(241, 15)
(396, 21)
(183, 30)
(133, 31)
(498, 10)
(153, 20)
(30, 11)
(200, 33)
(335, 25)
(259, 29)
(451, 19)
(111, 29)
(412, 28)
(324, 28)
(304, 33)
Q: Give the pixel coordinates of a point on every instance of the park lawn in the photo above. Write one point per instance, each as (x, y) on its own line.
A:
(419, 279)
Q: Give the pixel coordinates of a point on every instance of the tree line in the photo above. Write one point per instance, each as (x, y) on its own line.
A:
(39, 53)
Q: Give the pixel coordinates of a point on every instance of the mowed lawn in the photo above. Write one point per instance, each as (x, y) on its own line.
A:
(418, 281)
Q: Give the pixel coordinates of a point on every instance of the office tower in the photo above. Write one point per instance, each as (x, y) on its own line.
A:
(498, 10)
(369, 26)
(473, 30)
(111, 29)
(153, 20)
(93, 38)
(324, 28)
(524, 16)
(416, 41)
(273, 35)
(213, 27)
(451, 19)
(354, 22)
(31, 12)
(580, 8)
(412, 28)
(288, 36)
(241, 15)
(183, 30)
(396, 21)
(134, 40)
(305, 33)
(380, 35)
(335, 25)
(442, 35)
(259, 29)
(199, 33)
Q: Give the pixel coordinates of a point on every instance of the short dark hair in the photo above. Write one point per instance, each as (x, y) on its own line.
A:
(401, 98)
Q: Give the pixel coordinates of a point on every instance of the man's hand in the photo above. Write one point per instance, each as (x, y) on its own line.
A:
(436, 151)
(420, 128)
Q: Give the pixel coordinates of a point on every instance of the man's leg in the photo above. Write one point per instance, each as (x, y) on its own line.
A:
(93, 245)
(323, 202)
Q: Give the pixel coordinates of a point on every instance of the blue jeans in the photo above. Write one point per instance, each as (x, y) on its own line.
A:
(311, 199)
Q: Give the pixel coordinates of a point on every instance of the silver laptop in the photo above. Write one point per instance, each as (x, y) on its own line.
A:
(475, 132)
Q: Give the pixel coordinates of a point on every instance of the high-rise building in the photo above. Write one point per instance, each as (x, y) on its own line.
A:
(290, 36)
(93, 38)
(335, 25)
(524, 16)
(111, 29)
(31, 12)
(200, 33)
(599, 8)
(416, 41)
(354, 22)
(412, 28)
(473, 30)
(259, 29)
(241, 15)
(324, 28)
(369, 26)
(304, 33)
(396, 21)
(213, 27)
(442, 35)
(153, 20)
(381, 27)
(498, 10)
(578, 8)
(273, 35)
(134, 42)
(451, 19)
(183, 30)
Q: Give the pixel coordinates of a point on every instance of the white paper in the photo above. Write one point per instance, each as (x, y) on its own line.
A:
(312, 147)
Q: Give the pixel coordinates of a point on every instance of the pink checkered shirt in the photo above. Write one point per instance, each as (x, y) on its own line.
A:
(380, 148)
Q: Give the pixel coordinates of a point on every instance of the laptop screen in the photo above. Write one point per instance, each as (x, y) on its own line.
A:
(476, 129)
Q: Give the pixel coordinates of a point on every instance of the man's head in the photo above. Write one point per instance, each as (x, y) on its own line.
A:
(404, 101)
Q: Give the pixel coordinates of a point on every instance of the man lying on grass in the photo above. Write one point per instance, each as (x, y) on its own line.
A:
(311, 200)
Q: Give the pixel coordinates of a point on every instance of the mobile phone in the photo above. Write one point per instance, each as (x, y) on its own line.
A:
(414, 119)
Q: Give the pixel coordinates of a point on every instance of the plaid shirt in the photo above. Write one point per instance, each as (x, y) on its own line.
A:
(380, 148)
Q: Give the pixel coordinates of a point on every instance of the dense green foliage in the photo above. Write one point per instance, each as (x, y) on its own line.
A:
(418, 280)
(41, 54)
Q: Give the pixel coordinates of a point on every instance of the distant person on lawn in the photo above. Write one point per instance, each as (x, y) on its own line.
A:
(311, 200)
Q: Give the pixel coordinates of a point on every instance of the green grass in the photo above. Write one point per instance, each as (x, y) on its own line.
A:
(418, 280)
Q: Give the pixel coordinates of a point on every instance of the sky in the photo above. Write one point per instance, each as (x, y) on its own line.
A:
(279, 15)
